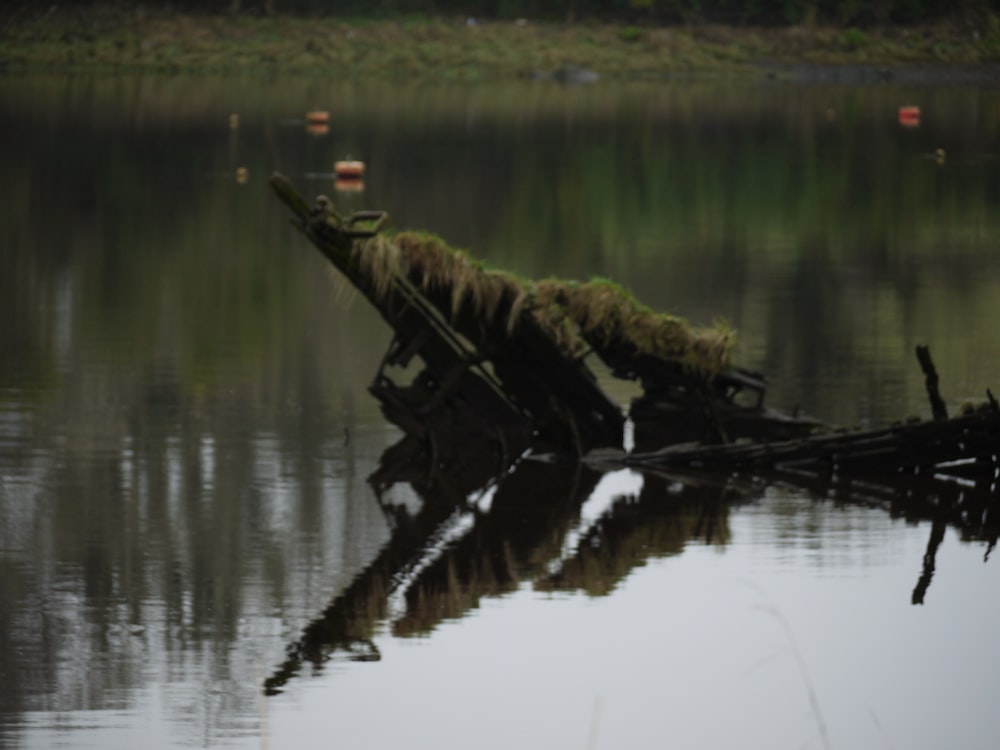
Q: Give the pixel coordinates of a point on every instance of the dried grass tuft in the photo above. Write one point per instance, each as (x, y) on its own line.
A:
(378, 259)
(599, 313)
(428, 257)
(611, 319)
(564, 331)
(437, 266)
(497, 292)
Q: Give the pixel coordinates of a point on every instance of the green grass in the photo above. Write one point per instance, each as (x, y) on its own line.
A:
(423, 46)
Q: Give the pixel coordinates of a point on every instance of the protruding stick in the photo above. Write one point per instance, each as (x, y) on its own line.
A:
(938, 409)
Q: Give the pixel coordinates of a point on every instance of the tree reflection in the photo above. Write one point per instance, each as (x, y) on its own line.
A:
(174, 390)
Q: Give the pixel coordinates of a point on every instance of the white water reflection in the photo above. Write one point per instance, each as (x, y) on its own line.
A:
(615, 486)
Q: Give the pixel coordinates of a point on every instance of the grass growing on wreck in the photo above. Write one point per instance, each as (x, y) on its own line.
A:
(611, 318)
(599, 313)
(379, 260)
(489, 293)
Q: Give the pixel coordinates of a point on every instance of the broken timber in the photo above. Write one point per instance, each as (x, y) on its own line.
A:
(504, 372)
(963, 448)
(531, 396)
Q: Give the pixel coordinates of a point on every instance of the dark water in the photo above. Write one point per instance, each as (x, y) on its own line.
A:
(195, 496)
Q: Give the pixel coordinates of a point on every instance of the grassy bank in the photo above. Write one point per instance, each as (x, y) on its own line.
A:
(456, 50)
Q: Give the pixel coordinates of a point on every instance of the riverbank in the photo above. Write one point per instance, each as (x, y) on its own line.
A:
(461, 49)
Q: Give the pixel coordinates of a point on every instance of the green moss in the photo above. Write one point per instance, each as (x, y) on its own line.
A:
(630, 34)
(617, 325)
(599, 313)
(854, 38)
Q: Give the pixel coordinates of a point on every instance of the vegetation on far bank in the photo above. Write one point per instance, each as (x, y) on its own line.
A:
(734, 12)
(463, 48)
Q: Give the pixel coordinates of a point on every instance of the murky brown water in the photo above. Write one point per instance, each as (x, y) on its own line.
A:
(189, 460)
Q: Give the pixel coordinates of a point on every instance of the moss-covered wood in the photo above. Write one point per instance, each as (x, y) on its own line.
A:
(963, 448)
(454, 394)
(500, 372)
(505, 356)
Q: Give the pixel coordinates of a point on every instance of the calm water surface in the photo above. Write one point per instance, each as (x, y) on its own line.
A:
(206, 541)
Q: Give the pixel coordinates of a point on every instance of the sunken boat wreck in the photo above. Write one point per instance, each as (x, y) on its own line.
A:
(487, 371)
(503, 372)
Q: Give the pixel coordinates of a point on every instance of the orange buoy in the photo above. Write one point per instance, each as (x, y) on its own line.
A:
(349, 185)
(317, 128)
(909, 116)
(242, 175)
(318, 116)
(349, 169)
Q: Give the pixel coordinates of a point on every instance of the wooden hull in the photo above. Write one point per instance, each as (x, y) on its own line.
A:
(964, 449)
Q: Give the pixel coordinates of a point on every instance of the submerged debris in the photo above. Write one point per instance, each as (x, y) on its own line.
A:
(503, 373)
(503, 357)
(503, 370)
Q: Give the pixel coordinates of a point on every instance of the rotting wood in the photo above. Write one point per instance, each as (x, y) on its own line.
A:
(523, 343)
(963, 448)
(555, 399)
(471, 402)
(938, 408)
(504, 371)
(552, 397)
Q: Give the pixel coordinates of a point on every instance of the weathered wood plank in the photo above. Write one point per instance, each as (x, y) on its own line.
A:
(528, 377)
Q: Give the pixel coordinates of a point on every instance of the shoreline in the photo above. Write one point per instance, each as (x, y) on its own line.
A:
(460, 50)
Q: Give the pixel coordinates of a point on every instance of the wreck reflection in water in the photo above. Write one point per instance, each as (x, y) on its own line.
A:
(480, 532)
(178, 376)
